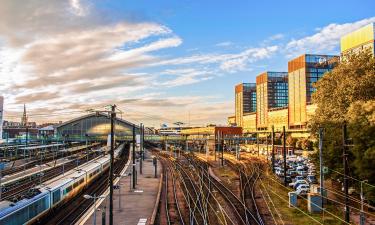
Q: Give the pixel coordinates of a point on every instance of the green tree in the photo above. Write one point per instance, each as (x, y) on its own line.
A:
(347, 94)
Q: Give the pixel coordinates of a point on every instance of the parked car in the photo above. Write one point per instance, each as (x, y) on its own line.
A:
(311, 179)
(302, 173)
(299, 178)
(288, 179)
(298, 183)
(302, 189)
(279, 172)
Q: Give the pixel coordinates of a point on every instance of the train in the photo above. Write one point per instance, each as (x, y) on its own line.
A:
(7, 182)
(47, 196)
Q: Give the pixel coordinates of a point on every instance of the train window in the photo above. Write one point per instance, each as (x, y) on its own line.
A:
(67, 190)
(81, 181)
(56, 196)
(75, 184)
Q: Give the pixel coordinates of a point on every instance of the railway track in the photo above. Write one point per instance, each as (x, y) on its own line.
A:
(191, 195)
(172, 209)
(14, 192)
(190, 167)
(70, 211)
(41, 160)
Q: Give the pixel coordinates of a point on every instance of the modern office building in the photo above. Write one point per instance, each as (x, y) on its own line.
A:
(361, 39)
(245, 101)
(288, 101)
(303, 72)
(1, 116)
(272, 94)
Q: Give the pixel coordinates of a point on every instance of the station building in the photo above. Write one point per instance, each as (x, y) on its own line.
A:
(209, 135)
(95, 126)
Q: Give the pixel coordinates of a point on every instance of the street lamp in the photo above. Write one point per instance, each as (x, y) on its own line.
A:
(118, 187)
(93, 197)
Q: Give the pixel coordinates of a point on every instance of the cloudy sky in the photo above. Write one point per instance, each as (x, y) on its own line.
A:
(158, 61)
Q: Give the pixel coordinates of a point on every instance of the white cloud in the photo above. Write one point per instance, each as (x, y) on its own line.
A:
(224, 44)
(227, 62)
(326, 40)
(78, 8)
(186, 76)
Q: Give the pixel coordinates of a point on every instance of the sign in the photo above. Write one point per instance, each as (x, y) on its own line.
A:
(325, 170)
(116, 187)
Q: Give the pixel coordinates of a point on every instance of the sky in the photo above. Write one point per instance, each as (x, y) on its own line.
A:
(159, 61)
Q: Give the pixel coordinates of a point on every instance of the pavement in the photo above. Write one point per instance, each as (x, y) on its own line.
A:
(132, 206)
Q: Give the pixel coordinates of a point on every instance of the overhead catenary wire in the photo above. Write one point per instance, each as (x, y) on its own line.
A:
(324, 210)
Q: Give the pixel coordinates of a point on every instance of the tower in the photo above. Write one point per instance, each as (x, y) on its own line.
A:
(24, 117)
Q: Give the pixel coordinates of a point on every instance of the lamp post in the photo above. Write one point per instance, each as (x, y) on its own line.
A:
(94, 197)
(119, 187)
(87, 149)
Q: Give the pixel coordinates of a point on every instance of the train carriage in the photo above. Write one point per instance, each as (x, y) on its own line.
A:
(26, 210)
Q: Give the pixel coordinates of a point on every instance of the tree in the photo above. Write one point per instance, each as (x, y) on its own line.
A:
(290, 141)
(347, 94)
(353, 79)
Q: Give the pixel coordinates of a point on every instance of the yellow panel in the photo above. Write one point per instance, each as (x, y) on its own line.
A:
(358, 37)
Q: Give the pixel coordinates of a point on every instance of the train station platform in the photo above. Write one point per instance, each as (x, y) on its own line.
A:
(132, 206)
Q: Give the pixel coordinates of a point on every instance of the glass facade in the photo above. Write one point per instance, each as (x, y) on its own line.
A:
(277, 89)
(249, 98)
(303, 72)
(316, 67)
(272, 93)
(245, 101)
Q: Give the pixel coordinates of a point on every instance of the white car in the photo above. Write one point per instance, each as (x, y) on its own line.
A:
(302, 189)
(298, 183)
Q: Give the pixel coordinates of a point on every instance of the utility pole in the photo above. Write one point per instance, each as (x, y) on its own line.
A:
(321, 133)
(216, 143)
(222, 149)
(362, 218)
(133, 156)
(258, 142)
(284, 153)
(113, 116)
(273, 148)
(345, 161)
(27, 142)
(140, 147)
(143, 142)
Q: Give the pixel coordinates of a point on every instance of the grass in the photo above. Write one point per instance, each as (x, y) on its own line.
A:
(291, 215)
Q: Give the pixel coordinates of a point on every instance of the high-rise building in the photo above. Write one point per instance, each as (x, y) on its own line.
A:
(1, 116)
(245, 101)
(303, 72)
(358, 40)
(272, 94)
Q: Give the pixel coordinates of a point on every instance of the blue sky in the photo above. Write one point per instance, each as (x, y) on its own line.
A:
(160, 60)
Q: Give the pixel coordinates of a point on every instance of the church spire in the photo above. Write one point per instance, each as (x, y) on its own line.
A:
(24, 117)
